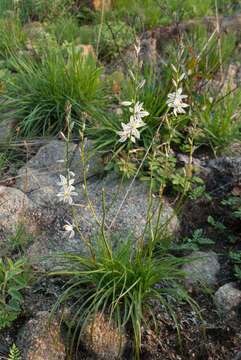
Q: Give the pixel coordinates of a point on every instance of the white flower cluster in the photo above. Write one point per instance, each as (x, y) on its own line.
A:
(67, 188)
(65, 195)
(175, 99)
(130, 129)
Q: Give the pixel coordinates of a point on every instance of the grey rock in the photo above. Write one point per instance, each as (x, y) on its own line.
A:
(37, 340)
(221, 164)
(7, 128)
(43, 170)
(228, 297)
(131, 218)
(204, 269)
(14, 205)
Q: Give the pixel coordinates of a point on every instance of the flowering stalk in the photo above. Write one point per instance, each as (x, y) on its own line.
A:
(66, 184)
(175, 99)
(101, 224)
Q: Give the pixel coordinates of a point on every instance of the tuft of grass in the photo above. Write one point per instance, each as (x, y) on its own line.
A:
(220, 122)
(66, 29)
(38, 92)
(12, 36)
(125, 285)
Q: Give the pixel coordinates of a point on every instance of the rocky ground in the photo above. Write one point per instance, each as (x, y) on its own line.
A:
(29, 194)
(32, 197)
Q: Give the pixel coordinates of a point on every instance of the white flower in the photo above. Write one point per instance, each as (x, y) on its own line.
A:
(182, 77)
(174, 68)
(69, 228)
(66, 193)
(126, 103)
(63, 180)
(138, 111)
(141, 84)
(130, 129)
(175, 101)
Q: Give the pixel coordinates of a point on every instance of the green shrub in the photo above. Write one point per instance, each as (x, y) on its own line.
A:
(108, 47)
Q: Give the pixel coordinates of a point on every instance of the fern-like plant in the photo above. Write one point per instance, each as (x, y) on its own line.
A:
(14, 353)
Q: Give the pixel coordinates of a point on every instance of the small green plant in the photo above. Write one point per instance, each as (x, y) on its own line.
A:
(236, 258)
(3, 162)
(13, 279)
(14, 353)
(19, 240)
(216, 224)
(193, 243)
(235, 203)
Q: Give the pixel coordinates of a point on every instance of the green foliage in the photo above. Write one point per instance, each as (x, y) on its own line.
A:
(5, 7)
(153, 95)
(12, 37)
(18, 240)
(38, 92)
(124, 283)
(66, 29)
(194, 242)
(196, 41)
(3, 163)
(236, 258)
(14, 353)
(216, 224)
(152, 13)
(42, 10)
(13, 279)
(220, 122)
(235, 203)
(108, 47)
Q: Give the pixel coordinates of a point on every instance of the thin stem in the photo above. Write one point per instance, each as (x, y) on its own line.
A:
(103, 224)
(134, 178)
(84, 175)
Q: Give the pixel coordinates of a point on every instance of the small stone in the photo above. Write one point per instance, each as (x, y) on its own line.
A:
(228, 297)
(204, 269)
(105, 338)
